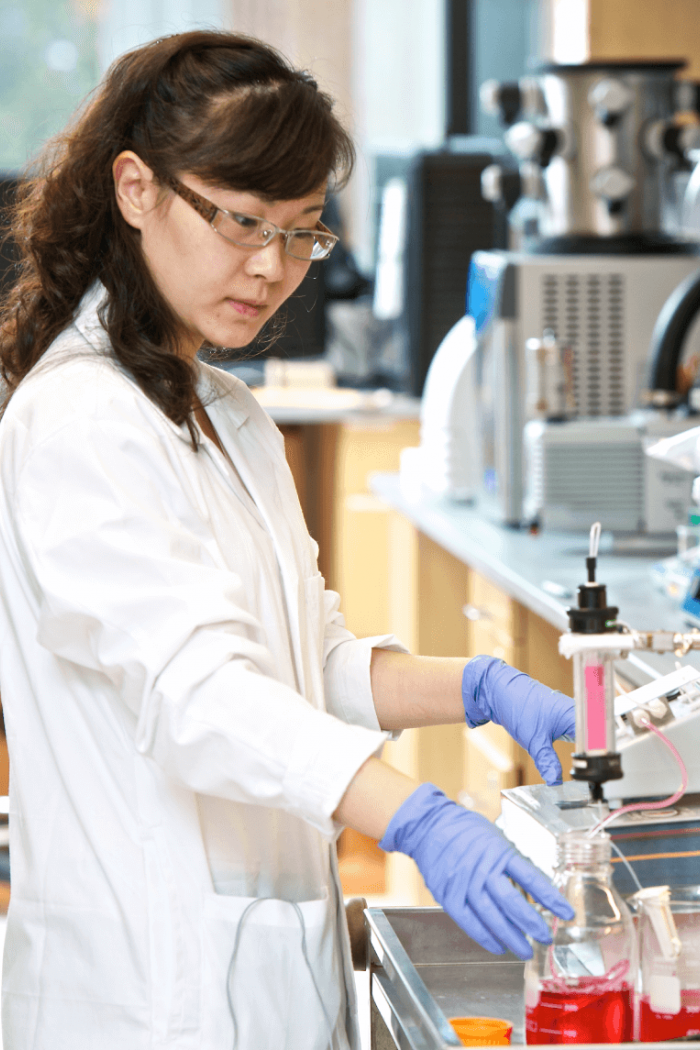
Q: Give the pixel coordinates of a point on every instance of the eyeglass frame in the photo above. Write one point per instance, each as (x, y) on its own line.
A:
(208, 211)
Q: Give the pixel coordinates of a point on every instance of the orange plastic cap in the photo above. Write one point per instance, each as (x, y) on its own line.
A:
(482, 1031)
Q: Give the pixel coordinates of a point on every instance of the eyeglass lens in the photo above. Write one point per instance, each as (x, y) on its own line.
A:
(249, 231)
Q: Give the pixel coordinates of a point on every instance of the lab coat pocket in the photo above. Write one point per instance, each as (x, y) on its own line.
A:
(259, 989)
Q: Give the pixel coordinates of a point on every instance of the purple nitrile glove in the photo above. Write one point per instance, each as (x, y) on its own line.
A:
(467, 865)
(533, 714)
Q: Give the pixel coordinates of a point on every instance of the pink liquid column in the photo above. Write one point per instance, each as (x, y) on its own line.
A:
(594, 694)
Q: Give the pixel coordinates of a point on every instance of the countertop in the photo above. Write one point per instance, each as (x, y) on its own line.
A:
(542, 571)
(294, 406)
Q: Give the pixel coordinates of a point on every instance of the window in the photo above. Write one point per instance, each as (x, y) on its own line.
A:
(53, 53)
(48, 63)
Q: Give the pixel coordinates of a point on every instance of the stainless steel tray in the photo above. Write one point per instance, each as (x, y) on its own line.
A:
(424, 969)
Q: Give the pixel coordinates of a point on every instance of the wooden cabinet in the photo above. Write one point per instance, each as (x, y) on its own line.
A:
(599, 30)
(500, 626)
(360, 542)
(497, 624)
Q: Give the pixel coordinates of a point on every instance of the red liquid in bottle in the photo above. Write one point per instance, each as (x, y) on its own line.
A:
(656, 1027)
(585, 1014)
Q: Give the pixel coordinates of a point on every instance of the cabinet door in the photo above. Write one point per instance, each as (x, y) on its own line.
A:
(488, 604)
(492, 763)
(360, 550)
(499, 626)
(488, 639)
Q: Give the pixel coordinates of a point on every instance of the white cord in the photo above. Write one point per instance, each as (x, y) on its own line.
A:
(627, 864)
(236, 943)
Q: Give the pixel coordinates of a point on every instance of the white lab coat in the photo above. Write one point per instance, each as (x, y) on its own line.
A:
(184, 711)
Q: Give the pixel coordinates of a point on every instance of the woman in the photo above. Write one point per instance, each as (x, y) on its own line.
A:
(189, 722)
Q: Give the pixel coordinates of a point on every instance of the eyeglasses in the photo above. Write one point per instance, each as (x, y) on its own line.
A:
(250, 231)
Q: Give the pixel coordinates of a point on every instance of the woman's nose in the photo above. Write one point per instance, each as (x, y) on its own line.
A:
(269, 261)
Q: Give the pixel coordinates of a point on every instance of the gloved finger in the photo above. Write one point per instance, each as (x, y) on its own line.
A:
(487, 860)
(502, 926)
(465, 917)
(488, 872)
(521, 914)
(538, 886)
(566, 723)
(547, 762)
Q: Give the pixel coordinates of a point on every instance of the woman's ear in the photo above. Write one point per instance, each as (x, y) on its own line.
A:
(136, 188)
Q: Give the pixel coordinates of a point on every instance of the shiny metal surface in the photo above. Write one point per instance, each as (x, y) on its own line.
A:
(573, 206)
(424, 969)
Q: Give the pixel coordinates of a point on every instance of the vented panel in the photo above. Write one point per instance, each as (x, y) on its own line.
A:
(595, 477)
(448, 220)
(586, 313)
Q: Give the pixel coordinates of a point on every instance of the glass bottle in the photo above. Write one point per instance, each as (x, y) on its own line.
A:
(580, 989)
(669, 944)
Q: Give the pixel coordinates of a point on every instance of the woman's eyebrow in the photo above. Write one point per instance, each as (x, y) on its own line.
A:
(314, 207)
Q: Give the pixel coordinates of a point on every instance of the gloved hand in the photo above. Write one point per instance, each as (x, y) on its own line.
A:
(534, 715)
(466, 863)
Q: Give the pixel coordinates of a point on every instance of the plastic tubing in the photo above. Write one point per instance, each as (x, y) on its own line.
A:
(665, 803)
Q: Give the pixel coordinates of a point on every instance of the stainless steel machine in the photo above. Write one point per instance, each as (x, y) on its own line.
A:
(598, 148)
(598, 144)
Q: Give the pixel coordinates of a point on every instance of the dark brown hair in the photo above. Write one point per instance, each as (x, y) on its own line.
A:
(222, 106)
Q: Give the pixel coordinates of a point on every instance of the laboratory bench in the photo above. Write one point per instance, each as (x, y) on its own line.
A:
(539, 569)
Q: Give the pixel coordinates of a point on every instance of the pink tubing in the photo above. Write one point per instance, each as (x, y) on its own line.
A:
(649, 805)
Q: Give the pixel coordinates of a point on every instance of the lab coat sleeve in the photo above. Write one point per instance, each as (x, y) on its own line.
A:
(129, 584)
(346, 668)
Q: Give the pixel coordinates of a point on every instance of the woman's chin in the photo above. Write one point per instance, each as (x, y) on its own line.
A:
(232, 337)
(214, 354)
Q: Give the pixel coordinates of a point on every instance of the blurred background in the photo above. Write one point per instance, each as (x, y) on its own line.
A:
(345, 380)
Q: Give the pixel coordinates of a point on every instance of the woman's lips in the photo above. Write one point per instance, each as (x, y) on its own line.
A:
(246, 308)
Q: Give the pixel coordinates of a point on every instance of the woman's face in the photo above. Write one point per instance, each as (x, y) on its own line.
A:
(222, 293)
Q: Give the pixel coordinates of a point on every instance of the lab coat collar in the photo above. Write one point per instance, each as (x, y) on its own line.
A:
(212, 385)
(275, 496)
(87, 322)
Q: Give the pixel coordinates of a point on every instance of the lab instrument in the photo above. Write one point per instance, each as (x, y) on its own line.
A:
(641, 748)
(596, 758)
(598, 151)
